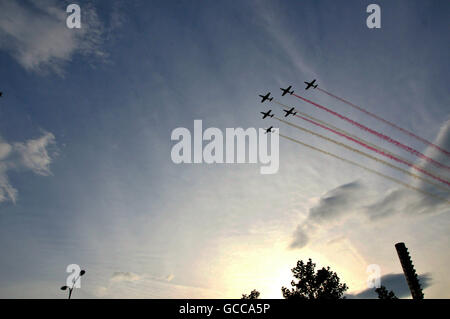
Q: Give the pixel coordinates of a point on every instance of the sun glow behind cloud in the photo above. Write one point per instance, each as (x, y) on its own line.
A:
(266, 265)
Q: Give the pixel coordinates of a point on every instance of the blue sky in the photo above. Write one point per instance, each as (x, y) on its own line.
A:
(85, 122)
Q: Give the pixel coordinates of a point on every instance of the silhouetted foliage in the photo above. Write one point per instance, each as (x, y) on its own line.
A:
(323, 284)
(385, 294)
(254, 294)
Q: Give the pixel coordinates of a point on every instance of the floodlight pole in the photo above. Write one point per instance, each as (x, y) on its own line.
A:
(409, 271)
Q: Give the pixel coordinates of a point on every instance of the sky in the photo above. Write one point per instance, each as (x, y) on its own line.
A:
(86, 175)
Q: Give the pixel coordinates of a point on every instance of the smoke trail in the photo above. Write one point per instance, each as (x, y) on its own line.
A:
(347, 133)
(418, 168)
(341, 130)
(365, 154)
(386, 138)
(365, 168)
(386, 122)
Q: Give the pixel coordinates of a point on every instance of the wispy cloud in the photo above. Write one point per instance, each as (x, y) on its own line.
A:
(333, 205)
(346, 199)
(30, 155)
(121, 280)
(404, 200)
(276, 30)
(124, 276)
(120, 276)
(35, 34)
(33, 154)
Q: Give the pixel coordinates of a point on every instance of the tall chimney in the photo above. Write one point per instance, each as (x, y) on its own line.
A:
(409, 271)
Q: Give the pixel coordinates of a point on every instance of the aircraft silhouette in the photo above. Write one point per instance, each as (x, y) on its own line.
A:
(266, 97)
(269, 130)
(266, 114)
(291, 111)
(309, 84)
(287, 90)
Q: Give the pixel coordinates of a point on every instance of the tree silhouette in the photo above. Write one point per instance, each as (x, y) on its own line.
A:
(323, 284)
(254, 294)
(385, 294)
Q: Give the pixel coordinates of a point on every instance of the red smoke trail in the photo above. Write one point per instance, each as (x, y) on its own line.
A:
(386, 122)
(286, 107)
(376, 150)
(379, 160)
(364, 167)
(386, 138)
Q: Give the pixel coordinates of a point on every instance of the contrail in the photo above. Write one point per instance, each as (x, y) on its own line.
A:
(386, 122)
(365, 168)
(386, 138)
(395, 158)
(349, 134)
(340, 130)
(365, 154)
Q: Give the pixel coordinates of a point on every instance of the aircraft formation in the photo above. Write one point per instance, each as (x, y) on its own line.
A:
(284, 92)
(432, 174)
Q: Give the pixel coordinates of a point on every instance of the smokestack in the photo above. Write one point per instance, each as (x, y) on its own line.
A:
(409, 271)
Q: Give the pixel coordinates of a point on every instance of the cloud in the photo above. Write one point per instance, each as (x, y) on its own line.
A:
(333, 205)
(275, 28)
(124, 276)
(7, 192)
(336, 240)
(124, 280)
(348, 198)
(119, 276)
(395, 282)
(170, 277)
(31, 155)
(412, 202)
(150, 286)
(336, 202)
(273, 23)
(35, 34)
(5, 149)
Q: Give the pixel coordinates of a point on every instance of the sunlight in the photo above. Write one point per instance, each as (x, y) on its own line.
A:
(261, 267)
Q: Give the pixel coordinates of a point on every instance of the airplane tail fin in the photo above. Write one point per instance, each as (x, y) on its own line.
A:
(315, 86)
(292, 92)
(271, 99)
